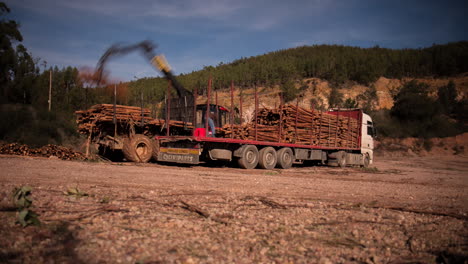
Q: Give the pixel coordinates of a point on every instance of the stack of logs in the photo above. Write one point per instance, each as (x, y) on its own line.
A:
(48, 151)
(291, 124)
(90, 120)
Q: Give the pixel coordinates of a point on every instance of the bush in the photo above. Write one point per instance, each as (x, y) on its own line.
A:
(389, 126)
(289, 91)
(26, 125)
(386, 125)
(336, 98)
(412, 103)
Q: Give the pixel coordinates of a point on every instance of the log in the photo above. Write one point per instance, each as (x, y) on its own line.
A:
(292, 124)
(93, 120)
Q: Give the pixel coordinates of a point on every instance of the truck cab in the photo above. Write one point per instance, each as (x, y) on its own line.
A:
(368, 133)
(221, 115)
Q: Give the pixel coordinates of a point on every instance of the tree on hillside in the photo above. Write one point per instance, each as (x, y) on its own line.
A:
(336, 98)
(413, 103)
(25, 74)
(9, 34)
(419, 115)
(369, 99)
(350, 103)
(289, 91)
(447, 97)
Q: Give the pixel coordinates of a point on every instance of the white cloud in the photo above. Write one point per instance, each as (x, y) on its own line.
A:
(209, 9)
(246, 14)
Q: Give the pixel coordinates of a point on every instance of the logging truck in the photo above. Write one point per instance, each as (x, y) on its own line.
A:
(273, 138)
(339, 137)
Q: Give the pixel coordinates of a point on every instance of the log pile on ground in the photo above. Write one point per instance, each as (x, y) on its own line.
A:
(103, 114)
(291, 124)
(47, 151)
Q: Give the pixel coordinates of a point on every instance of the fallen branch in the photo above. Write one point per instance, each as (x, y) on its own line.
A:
(195, 209)
(271, 203)
(402, 209)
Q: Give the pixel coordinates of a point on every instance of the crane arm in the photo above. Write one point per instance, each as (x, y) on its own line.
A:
(147, 49)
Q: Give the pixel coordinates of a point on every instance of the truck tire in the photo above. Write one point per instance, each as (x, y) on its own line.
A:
(341, 159)
(366, 161)
(139, 148)
(267, 158)
(249, 158)
(285, 158)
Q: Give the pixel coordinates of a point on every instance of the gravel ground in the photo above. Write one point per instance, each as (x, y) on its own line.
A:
(402, 210)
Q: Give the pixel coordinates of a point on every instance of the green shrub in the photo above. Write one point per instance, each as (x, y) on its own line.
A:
(290, 92)
(26, 125)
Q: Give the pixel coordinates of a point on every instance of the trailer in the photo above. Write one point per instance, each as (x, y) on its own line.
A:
(329, 149)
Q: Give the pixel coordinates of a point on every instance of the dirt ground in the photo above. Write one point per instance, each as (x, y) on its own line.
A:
(402, 210)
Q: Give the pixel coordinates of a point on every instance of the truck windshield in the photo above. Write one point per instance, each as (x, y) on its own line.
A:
(220, 120)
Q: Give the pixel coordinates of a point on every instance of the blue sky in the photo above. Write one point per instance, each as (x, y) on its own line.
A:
(197, 33)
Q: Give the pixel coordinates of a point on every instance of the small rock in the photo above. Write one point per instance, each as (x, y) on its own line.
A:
(189, 260)
(301, 249)
(324, 260)
(52, 157)
(355, 233)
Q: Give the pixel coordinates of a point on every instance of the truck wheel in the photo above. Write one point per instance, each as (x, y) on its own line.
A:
(366, 161)
(285, 158)
(341, 159)
(268, 158)
(249, 158)
(139, 148)
(155, 152)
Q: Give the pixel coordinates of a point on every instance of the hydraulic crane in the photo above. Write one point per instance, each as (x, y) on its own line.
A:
(147, 48)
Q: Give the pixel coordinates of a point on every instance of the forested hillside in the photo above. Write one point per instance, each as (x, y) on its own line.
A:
(336, 64)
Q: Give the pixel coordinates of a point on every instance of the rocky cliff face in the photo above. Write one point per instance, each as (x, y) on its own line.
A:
(316, 92)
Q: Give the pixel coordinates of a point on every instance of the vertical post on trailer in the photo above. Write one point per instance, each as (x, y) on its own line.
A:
(207, 112)
(218, 123)
(240, 105)
(320, 128)
(194, 114)
(329, 130)
(312, 124)
(231, 119)
(349, 132)
(336, 131)
(114, 118)
(141, 105)
(168, 107)
(295, 125)
(280, 130)
(256, 111)
(352, 138)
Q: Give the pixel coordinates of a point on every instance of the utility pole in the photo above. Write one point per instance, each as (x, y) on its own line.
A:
(50, 89)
